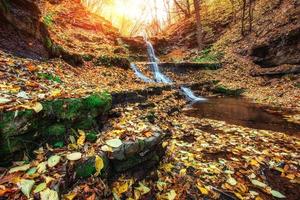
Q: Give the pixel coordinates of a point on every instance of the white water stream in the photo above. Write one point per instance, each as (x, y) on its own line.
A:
(161, 78)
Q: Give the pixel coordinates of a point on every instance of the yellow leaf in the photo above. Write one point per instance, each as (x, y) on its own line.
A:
(168, 167)
(81, 138)
(99, 164)
(291, 176)
(142, 189)
(203, 190)
(254, 163)
(171, 195)
(161, 185)
(55, 93)
(182, 172)
(238, 195)
(37, 107)
(123, 188)
(70, 196)
(164, 144)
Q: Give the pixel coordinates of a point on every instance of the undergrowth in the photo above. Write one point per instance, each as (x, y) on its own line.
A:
(208, 55)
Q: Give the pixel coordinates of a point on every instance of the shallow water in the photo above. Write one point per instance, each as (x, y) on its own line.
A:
(241, 112)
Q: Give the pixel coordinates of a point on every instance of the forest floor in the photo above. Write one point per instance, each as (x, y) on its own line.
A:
(199, 157)
(204, 158)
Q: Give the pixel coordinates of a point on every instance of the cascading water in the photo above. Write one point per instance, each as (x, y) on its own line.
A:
(190, 95)
(158, 76)
(139, 74)
(161, 78)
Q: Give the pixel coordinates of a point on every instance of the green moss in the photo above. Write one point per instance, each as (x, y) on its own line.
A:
(86, 169)
(228, 92)
(91, 136)
(48, 19)
(112, 61)
(102, 100)
(58, 144)
(85, 124)
(50, 77)
(209, 56)
(48, 43)
(87, 57)
(56, 130)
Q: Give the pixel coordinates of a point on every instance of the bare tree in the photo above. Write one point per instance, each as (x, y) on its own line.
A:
(197, 6)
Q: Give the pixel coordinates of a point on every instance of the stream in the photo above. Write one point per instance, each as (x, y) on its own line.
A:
(241, 112)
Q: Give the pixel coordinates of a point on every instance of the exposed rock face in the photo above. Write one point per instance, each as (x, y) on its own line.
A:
(21, 31)
(21, 130)
(284, 49)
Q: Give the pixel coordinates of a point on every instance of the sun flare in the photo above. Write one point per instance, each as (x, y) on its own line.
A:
(129, 15)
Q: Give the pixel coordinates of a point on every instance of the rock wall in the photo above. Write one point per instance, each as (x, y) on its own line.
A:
(26, 129)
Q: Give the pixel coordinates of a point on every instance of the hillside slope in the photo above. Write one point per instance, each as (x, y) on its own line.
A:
(267, 58)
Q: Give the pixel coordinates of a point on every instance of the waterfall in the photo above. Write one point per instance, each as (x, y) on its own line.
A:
(190, 95)
(161, 78)
(158, 76)
(139, 74)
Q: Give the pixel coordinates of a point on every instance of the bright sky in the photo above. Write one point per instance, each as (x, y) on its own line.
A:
(134, 10)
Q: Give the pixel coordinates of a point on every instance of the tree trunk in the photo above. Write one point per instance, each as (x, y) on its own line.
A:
(243, 17)
(197, 4)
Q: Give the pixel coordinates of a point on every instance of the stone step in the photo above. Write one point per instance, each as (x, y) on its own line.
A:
(190, 65)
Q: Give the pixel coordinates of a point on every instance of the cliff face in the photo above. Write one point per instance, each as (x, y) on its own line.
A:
(61, 28)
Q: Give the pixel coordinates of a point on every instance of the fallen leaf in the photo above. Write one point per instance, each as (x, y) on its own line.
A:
(49, 195)
(258, 183)
(4, 100)
(74, 156)
(231, 181)
(115, 143)
(106, 148)
(37, 107)
(81, 138)
(26, 186)
(23, 95)
(53, 160)
(171, 195)
(277, 194)
(70, 196)
(202, 189)
(19, 168)
(40, 187)
(41, 168)
(142, 188)
(99, 164)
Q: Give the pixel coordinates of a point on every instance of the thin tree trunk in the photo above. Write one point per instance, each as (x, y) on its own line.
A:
(243, 17)
(197, 4)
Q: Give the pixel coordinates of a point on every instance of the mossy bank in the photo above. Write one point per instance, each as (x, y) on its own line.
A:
(22, 130)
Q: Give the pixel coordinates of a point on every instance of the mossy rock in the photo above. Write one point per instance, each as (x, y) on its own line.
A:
(87, 168)
(17, 123)
(58, 130)
(98, 103)
(91, 136)
(111, 61)
(228, 92)
(87, 57)
(124, 165)
(85, 124)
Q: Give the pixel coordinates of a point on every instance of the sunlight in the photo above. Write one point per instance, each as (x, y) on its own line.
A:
(129, 15)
